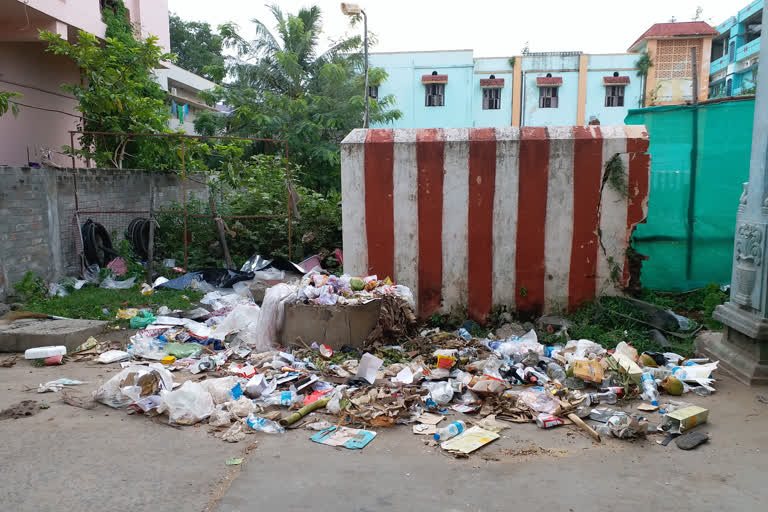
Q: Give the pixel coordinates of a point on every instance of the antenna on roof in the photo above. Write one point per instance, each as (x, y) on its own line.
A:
(672, 19)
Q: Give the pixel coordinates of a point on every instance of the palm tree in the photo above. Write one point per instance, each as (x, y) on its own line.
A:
(287, 61)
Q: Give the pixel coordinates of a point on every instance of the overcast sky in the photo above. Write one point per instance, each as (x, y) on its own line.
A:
(490, 27)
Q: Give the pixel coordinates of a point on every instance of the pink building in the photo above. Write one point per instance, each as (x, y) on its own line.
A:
(26, 68)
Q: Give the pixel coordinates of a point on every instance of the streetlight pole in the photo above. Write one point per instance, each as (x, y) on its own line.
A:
(365, 44)
(355, 10)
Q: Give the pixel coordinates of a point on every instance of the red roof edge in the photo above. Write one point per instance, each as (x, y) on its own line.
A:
(434, 79)
(684, 28)
(549, 80)
(612, 80)
(491, 82)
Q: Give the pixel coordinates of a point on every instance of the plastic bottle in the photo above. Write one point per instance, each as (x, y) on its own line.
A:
(650, 392)
(465, 334)
(556, 372)
(450, 430)
(285, 398)
(533, 375)
(606, 397)
(264, 425)
(660, 373)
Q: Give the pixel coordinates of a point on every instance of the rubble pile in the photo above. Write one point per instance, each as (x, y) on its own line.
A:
(221, 364)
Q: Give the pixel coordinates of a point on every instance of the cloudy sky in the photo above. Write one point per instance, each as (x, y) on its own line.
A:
(490, 27)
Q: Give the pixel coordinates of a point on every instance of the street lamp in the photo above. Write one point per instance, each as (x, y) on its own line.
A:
(355, 10)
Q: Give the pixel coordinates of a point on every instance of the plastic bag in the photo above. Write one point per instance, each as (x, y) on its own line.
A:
(220, 417)
(92, 274)
(120, 390)
(221, 388)
(57, 290)
(242, 407)
(146, 347)
(113, 284)
(440, 392)
(143, 319)
(187, 405)
(113, 356)
(271, 317)
(182, 350)
(518, 346)
(269, 274)
(243, 317)
(540, 401)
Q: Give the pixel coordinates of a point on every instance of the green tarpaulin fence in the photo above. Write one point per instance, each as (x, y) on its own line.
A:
(691, 215)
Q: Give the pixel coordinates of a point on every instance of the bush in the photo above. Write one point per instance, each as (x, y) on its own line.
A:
(319, 226)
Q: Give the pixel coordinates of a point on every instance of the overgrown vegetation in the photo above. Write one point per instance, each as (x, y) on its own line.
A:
(319, 226)
(117, 92)
(198, 48)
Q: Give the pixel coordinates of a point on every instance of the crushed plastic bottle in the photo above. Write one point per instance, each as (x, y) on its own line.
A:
(606, 397)
(450, 430)
(556, 372)
(264, 425)
(650, 391)
(284, 398)
(465, 334)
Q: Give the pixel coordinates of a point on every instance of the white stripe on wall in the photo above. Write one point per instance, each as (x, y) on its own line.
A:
(354, 235)
(406, 210)
(613, 215)
(455, 218)
(558, 234)
(505, 201)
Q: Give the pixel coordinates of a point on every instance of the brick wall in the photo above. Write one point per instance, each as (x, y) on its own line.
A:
(38, 230)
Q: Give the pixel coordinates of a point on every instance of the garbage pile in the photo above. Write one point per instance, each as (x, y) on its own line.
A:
(222, 365)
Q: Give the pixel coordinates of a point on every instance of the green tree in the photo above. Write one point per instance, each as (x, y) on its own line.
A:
(197, 48)
(117, 92)
(6, 102)
(283, 87)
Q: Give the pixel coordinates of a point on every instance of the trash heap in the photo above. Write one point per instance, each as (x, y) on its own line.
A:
(222, 365)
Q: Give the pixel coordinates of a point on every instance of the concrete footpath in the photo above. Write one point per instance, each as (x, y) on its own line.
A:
(67, 458)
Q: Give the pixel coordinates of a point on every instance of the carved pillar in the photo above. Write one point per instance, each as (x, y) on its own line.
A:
(743, 348)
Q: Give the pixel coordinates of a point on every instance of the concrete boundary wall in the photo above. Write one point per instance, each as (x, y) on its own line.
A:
(475, 218)
(37, 208)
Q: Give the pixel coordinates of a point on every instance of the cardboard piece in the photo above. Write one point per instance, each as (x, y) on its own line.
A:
(589, 370)
(369, 365)
(423, 429)
(469, 440)
(334, 326)
(634, 371)
(350, 438)
(684, 419)
(430, 419)
(647, 407)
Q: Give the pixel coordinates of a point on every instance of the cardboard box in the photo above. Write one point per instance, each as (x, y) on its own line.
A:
(334, 326)
(685, 419)
(634, 371)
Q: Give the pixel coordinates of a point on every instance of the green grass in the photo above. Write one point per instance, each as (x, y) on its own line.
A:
(88, 302)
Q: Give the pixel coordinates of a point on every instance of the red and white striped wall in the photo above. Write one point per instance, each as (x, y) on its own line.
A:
(493, 216)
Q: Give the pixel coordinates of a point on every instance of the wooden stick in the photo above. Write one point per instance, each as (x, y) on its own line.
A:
(586, 428)
(220, 227)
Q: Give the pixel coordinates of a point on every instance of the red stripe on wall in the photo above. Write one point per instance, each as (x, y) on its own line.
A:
(379, 208)
(531, 218)
(587, 177)
(482, 177)
(639, 169)
(430, 156)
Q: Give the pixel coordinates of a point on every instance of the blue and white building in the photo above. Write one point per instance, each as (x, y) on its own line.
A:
(735, 53)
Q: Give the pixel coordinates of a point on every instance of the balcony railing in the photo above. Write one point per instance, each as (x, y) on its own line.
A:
(748, 49)
(750, 10)
(717, 65)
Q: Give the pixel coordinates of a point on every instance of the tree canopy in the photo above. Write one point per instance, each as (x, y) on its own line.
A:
(280, 85)
(197, 48)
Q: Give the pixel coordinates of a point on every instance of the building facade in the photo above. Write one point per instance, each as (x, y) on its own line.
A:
(452, 89)
(669, 45)
(736, 52)
(25, 67)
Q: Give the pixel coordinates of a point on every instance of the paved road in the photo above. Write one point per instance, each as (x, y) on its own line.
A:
(65, 458)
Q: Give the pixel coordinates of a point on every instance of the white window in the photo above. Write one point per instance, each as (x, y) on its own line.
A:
(373, 92)
(435, 95)
(492, 98)
(614, 96)
(548, 97)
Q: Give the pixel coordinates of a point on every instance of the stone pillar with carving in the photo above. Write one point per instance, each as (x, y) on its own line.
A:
(743, 348)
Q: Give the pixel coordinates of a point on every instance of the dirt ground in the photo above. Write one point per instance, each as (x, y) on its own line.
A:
(67, 458)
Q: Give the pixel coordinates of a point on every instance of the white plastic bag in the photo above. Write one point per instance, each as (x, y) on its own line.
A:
(221, 389)
(146, 347)
(187, 405)
(266, 333)
(122, 389)
(243, 317)
(441, 392)
(242, 407)
(113, 356)
(113, 284)
(220, 417)
(540, 401)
